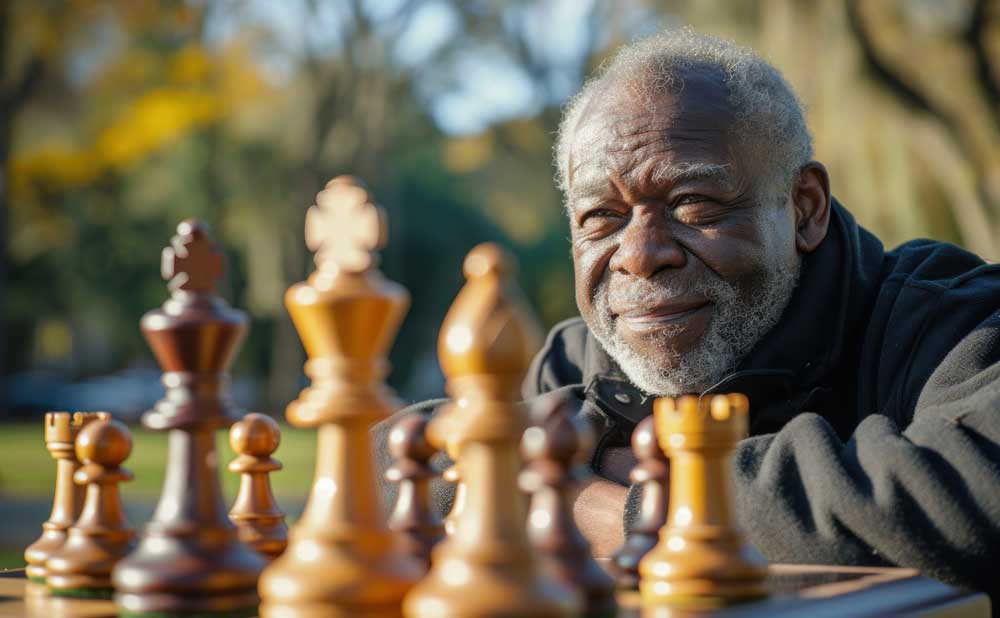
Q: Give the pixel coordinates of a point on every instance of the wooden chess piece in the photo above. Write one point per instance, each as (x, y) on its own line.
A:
(341, 559)
(652, 474)
(702, 559)
(438, 436)
(61, 429)
(189, 559)
(453, 476)
(412, 519)
(102, 535)
(555, 447)
(487, 567)
(259, 521)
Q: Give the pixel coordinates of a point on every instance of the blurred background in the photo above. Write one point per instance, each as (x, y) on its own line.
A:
(118, 119)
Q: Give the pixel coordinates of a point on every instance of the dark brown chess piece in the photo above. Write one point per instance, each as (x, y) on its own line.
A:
(555, 447)
(652, 474)
(412, 518)
(61, 429)
(487, 567)
(189, 559)
(702, 559)
(342, 559)
(102, 535)
(259, 521)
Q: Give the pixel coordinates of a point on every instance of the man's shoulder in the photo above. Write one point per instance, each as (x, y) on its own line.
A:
(939, 266)
(562, 360)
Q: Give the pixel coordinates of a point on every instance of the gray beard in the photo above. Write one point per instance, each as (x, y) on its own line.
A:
(741, 318)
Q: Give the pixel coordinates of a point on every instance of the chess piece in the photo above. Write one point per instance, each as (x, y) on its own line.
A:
(438, 437)
(102, 535)
(452, 475)
(651, 473)
(487, 567)
(259, 521)
(61, 429)
(555, 447)
(412, 519)
(189, 559)
(701, 559)
(341, 559)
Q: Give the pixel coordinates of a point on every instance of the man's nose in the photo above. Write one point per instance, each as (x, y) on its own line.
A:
(647, 246)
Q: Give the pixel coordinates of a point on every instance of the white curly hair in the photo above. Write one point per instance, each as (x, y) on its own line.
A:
(769, 121)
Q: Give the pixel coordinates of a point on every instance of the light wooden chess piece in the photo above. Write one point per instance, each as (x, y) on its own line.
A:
(702, 559)
(341, 559)
(453, 476)
(438, 436)
(652, 474)
(61, 429)
(259, 521)
(189, 559)
(488, 567)
(102, 535)
(412, 518)
(556, 447)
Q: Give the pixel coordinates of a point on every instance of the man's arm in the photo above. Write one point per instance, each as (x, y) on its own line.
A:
(598, 511)
(926, 497)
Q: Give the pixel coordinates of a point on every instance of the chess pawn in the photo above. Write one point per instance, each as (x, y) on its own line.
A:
(189, 559)
(412, 519)
(61, 429)
(259, 522)
(102, 535)
(487, 567)
(555, 447)
(652, 474)
(702, 559)
(342, 559)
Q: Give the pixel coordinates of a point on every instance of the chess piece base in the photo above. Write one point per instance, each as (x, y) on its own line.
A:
(707, 569)
(187, 575)
(511, 592)
(39, 552)
(344, 580)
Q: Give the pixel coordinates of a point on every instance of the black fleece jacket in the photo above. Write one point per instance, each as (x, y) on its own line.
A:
(875, 411)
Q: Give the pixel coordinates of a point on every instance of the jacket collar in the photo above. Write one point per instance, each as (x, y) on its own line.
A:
(837, 285)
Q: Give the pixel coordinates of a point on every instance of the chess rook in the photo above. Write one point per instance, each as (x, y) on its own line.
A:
(651, 473)
(412, 518)
(555, 448)
(61, 429)
(259, 521)
(102, 535)
(702, 559)
(341, 559)
(487, 567)
(189, 559)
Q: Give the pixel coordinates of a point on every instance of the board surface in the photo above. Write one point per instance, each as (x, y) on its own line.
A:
(798, 590)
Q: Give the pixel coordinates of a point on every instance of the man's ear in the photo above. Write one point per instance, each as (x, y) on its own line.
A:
(811, 201)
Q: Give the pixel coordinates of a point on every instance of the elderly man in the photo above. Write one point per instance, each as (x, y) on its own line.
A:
(710, 257)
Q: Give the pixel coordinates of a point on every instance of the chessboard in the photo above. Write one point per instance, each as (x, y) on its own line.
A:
(798, 590)
(508, 548)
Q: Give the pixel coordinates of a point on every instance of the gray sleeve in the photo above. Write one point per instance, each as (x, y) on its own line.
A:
(927, 496)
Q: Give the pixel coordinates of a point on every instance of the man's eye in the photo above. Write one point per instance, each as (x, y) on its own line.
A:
(697, 210)
(690, 198)
(600, 215)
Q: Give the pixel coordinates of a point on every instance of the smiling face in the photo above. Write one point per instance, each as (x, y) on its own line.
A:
(684, 253)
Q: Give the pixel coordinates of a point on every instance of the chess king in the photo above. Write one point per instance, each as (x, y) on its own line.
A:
(710, 257)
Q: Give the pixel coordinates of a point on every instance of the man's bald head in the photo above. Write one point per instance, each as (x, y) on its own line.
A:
(767, 123)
